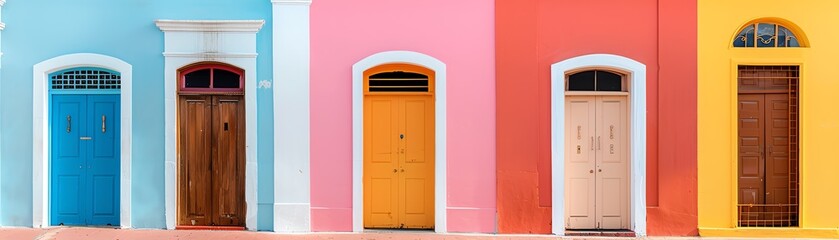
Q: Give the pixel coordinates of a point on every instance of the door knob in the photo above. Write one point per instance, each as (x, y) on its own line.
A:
(599, 170)
(401, 136)
(590, 171)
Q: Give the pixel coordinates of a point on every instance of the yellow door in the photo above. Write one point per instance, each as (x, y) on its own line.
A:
(596, 165)
(399, 161)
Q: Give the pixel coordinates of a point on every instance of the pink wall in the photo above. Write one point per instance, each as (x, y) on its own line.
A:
(458, 33)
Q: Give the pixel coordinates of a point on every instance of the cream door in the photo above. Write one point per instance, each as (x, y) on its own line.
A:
(580, 161)
(596, 164)
(612, 210)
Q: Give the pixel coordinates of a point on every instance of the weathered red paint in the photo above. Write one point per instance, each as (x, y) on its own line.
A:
(533, 34)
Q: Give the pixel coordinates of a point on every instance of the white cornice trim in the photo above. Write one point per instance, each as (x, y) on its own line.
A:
(2, 26)
(209, 55)
(251, 26)
(289, 2)
(2, 2)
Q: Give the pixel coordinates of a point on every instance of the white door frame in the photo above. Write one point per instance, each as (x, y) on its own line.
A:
(439, 69)
(230, 42)
(41, 131)
(638, 134)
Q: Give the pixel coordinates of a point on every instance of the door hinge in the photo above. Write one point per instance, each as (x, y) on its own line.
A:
(598, 225)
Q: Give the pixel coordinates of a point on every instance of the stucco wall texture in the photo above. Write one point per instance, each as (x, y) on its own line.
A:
(458, 33)
(533, 34)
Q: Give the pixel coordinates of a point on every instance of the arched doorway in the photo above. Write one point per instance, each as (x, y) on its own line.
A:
(597, 168)
(85, 148)
(211, 147)
(399, 147)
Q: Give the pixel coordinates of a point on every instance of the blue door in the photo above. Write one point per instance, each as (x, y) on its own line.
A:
(84, 167)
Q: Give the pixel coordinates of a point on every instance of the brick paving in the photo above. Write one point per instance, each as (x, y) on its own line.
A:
(80, 233)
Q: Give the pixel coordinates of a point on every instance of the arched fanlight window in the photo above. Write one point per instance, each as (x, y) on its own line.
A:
(85, 79)
(764, 34)
(211, 77)
(399, 78)
(596, 80)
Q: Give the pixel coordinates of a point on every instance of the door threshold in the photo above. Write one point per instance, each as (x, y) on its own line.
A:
(211, 228)
(600, 233)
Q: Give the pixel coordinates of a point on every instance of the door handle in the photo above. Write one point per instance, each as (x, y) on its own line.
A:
(69, 123)
(85, 138)
(103, 123)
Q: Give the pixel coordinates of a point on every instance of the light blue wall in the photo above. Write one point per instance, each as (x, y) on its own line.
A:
(38, 30)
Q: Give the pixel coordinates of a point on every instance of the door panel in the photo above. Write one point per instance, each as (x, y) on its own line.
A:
(398, 162)
(212, 161)
(580, 161)
(417, 161)
(381, 162)
(103, 166)
(85, 160)
(597, 162)
(751, 136)
(195, 115)
(68, 163)
(777, 153)
(228, 161)
(612, 202)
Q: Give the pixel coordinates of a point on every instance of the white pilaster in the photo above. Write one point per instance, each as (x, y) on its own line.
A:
(292, 204)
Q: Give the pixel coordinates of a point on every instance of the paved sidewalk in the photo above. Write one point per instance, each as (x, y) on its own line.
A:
(64, 233)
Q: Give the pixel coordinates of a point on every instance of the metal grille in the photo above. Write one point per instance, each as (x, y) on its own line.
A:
(85, 80)
(398, 82)
(778, 214)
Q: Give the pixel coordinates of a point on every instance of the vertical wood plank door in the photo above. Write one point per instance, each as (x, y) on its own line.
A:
(597, 162)
(228, 161)
(398, 162)
(211, 165)
(84, 168)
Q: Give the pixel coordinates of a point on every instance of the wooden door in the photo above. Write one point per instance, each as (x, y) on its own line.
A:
(612, 209)
(777, 153)
(580, 161)
(763, 152)
(597, 162)
(211, 166)
(84, 172)
(228, 161)
(398, 162)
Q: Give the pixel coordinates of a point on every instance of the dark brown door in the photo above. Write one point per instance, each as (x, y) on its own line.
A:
(764, 152)
(211, 167)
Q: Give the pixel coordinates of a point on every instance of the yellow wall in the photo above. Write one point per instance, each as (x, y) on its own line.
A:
(719, 21)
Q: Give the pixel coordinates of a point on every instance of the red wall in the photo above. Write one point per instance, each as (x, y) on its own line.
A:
(533, 34)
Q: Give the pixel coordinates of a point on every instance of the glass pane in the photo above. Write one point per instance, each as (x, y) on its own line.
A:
(766, 35)
(582, 81)
(225, 79)
(607, 81)
(746, 37)
(787, 38)
(197, 79)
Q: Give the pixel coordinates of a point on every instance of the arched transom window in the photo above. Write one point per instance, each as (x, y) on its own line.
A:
(763, 34)
(596, 80)
(211, 78)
